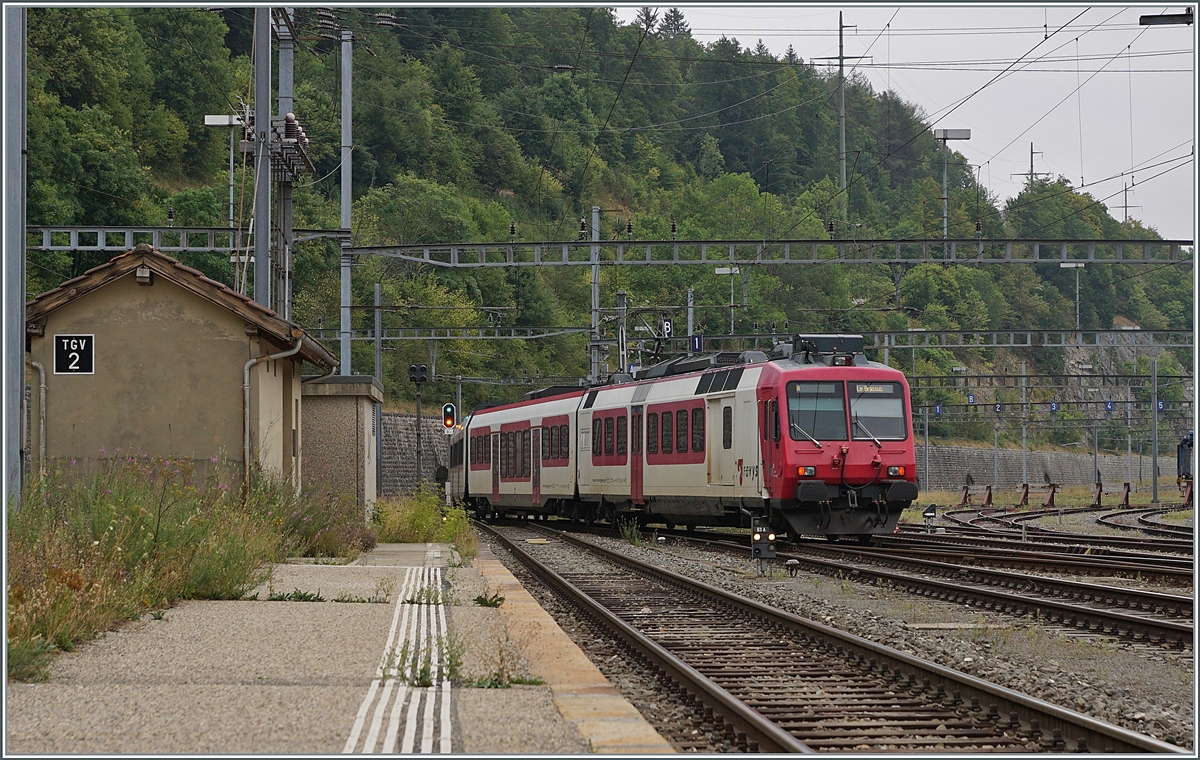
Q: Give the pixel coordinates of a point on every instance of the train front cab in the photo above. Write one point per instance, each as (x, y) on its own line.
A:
(837, 448)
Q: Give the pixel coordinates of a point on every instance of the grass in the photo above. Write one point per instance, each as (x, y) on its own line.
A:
(631, 532)
(86, 552)
(424, 518)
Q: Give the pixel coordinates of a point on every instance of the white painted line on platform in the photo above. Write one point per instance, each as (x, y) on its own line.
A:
(417, 635)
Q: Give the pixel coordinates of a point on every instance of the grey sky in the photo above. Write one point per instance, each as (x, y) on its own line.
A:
(1137, 113)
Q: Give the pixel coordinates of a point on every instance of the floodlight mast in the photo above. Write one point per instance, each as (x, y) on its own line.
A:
(945, 135)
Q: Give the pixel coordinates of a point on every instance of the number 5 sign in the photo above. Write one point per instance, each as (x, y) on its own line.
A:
(74, 354)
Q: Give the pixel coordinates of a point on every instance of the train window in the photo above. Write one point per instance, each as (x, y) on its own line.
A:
(636, 434)
(668, 433)
(608, 436)
(564, 441)
(472, 449)
(698, 429)
(652, 433)
(705, 383)
(551, 434)
(735, 377)
(545, 443)
(727, 427)
(877, 411)
(503, 455)
(597, 436)
(487, 447)
(817, 410)
(622, 432)
(512, 454)
(775, 432)
(526, 451)
(681, 430)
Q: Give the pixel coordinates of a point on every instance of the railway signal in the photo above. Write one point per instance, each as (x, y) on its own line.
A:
(449, 416)
(418, 373)
(762, 540)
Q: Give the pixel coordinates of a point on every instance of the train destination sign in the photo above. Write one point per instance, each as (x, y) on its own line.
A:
(74, 354)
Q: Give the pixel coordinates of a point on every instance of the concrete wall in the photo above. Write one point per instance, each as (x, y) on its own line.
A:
(949, 467)
(340, 435)
(399, 471)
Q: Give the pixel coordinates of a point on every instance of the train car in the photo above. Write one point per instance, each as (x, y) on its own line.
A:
(814, 437)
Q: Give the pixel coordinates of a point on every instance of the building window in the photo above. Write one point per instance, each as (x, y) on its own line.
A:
(652, 433)
(727, 427)
(622, 432)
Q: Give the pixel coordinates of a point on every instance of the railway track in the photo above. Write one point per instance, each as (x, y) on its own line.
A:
(990, 541)
(1015, 526)
(1145, 522)
(1138, 615)
(781, 683)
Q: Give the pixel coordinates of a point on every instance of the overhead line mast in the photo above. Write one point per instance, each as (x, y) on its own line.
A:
(841, 59)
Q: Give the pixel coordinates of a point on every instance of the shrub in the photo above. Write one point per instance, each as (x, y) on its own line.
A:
(423, 517)
(88, 551)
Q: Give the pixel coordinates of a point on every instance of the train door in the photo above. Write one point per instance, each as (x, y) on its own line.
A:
(635, 459)
(722, 467)
(495, 469)
(535, 469)
(771, 433)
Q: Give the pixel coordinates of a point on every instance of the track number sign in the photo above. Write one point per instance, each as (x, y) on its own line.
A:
(74, 354)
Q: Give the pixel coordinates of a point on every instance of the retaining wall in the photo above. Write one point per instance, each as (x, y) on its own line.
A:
(950, 467)
(398, 471)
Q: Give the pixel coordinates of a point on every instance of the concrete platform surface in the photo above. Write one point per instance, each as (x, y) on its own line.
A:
(274, 677)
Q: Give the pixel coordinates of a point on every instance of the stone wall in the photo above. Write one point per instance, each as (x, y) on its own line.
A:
(399, 467)
(952, 467)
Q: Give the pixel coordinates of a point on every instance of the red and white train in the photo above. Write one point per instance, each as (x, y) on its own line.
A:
(816, 438)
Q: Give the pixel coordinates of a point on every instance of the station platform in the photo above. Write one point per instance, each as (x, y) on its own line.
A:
(313, 661)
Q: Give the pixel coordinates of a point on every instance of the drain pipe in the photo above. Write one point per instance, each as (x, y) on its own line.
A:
(246, 406)
(41, 416)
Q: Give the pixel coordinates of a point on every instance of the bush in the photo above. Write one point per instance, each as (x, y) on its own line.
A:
(424, 518)
(86, 552)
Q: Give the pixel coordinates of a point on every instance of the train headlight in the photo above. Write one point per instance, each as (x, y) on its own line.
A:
(807, 472)
(896, 472)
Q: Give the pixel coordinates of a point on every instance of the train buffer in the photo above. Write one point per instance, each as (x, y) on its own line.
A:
(1100, 492)
(969, 492)
(1048, 489)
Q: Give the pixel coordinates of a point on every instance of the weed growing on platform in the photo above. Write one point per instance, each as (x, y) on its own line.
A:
(427, 595)
(102, 541)
(296, 595)
(489, 599)
(424, 517)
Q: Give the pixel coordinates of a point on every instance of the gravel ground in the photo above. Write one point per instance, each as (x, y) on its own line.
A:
(1140, 689)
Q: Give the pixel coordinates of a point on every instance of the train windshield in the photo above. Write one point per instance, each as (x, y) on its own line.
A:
(816, 410)
(877, 411)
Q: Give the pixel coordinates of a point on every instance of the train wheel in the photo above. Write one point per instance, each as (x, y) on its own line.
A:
(864, 538)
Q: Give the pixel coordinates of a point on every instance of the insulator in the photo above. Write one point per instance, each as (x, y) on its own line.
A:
(291, 129)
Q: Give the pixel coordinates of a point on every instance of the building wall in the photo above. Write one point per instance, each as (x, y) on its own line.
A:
(340, 434)
(167, 379)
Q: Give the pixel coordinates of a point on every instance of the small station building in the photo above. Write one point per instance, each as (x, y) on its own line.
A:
(146, 356)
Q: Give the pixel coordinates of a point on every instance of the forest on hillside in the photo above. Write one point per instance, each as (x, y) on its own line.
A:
(470, 120)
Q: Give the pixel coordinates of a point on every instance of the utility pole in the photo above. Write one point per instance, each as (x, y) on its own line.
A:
(14, 244)
(1154, 430)
(1024, 426)
(945, 135)
(595, 258)
(925, 478)
(622, 343)
(262, 155)
(347, 145)
(841, 59)
(287, 45)
(691, 317)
